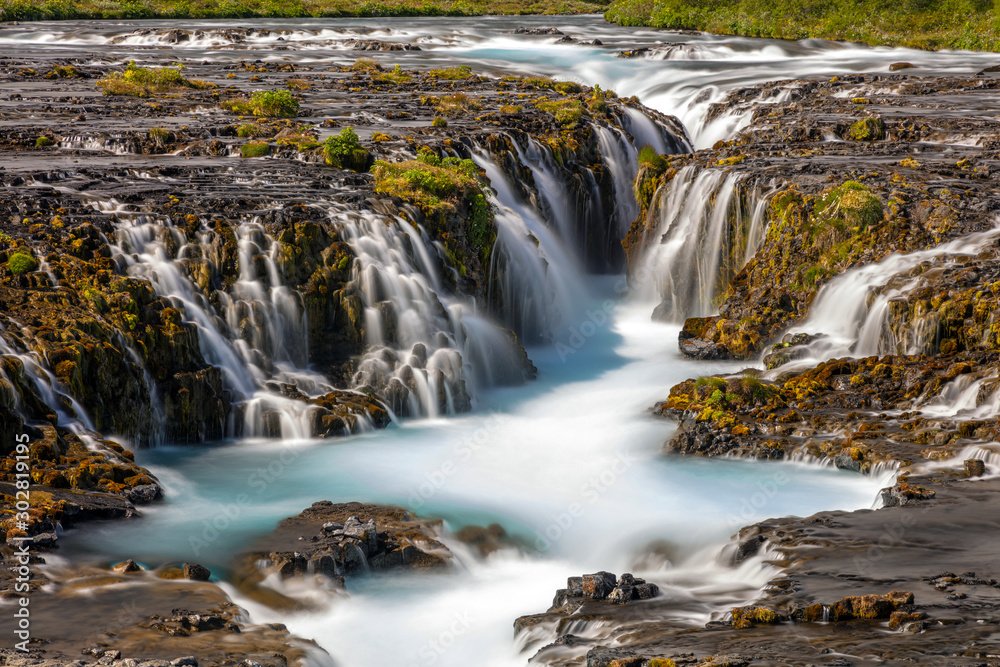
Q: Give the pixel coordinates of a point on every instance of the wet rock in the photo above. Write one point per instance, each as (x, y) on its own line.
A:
(196, 572)
(975, 467)
(126, 567)
(598, 585)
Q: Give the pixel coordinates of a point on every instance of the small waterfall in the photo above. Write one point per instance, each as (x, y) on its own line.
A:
(428, 352)
(709, 222)
(647, 132)
(539, 281)
(621, 158)
(854, 312)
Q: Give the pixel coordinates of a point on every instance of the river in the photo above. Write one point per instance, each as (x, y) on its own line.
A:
(570, 464)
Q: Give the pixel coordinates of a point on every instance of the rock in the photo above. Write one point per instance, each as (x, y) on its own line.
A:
(196, 572)
(598, 585)
(702, 349)
(895, 67)
(621, 595)
(126, 567)
(144, 493)
(187, 661)
(975, 467)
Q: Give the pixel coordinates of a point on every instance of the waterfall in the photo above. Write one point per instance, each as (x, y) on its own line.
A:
(621, 158)
(428, 351)
(647, 132)
(854, 312)
(709, 223)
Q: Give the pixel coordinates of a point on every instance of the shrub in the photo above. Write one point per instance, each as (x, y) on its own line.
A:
(255, 149)
(439, 122)
(345, 152)
(21, 262)
(42, 142)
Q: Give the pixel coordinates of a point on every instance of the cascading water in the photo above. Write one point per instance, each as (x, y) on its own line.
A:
(855, 321)
(709, 223)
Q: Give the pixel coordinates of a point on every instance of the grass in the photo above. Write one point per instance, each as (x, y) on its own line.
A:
(924, 24)
(267, 103)
(138, 81)
(55, 10)
(451, 73)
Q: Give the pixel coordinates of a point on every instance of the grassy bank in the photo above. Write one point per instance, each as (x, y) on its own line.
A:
(47, 10)
(925, 24)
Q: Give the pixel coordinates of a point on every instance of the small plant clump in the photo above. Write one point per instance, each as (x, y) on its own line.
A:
(344, 151)
(267, 103)
(21, 262)
(568, 112)
(439, 122)
(451, 105)
(871, 128)
(43, 141)
(648, 157)
(255, 149)
(298, 84)
(451, 73)
(138, 81)
(64, 72)
(396, 76)
(852, 205)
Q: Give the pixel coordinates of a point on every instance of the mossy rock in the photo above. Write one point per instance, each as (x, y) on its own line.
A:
(871, 128)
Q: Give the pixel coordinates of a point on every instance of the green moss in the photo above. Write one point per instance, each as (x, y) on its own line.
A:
(736, 159)
(64, 72)
(255, 149)
(442, 187)
(344, 151)
(568, 112)
(568, 87)
(439, 122)
(42, 142)
(21, 262)
(852, 204)
(650, 158)
(868, 129)
(451, 105)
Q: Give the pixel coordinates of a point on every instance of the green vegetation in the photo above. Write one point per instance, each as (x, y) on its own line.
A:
(925, 24)
(344, 151)
(451, 105)
(269, 103)
(396, 76)
(852, 205)
(648, 157)
(138, 81)
(868, 129)
(439, 122)
(43, 141)
(64, 72)
(54, 10)
(451, 73)
(567, 112)
(21, 262)
(255, 149)
(441, 187)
